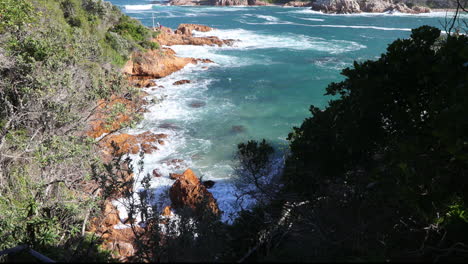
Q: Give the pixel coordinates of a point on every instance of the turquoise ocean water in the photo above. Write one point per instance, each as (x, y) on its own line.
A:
(259, 88)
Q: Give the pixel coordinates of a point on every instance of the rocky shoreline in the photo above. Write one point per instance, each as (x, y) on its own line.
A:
(328, 6)
(188, 191)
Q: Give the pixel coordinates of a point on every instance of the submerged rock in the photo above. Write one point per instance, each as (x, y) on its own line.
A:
(197, 104)
(181, 82)
(208, 184)
(156, 173)
(237, 129)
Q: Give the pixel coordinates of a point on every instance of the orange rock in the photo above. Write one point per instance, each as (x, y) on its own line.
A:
(187, 191)
(127, 143)
(112, 114)
(174, 176)
(167, 211)
(183, 36)
(155, 63)
(196, 27)
(110, 215)
(143, 83)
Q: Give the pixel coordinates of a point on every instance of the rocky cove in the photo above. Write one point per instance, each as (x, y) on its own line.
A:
(116, 226)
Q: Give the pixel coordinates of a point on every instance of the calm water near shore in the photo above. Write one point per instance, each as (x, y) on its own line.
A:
(259, 88)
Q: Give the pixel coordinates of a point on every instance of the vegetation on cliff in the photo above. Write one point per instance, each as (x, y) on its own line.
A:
(57, 60)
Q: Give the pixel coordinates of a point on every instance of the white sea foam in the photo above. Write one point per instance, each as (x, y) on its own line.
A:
(431, 14)
(311, 19)
(138, 7)
(366, 27)
(251, 40)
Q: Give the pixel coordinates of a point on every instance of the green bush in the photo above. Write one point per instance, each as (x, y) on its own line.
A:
(14, 14)
(393, 118)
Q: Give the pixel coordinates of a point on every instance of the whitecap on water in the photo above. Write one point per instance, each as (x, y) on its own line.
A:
(251, 40)
(138, 7)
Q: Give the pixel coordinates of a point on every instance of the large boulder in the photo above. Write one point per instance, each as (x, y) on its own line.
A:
(375, 6)
(189, 192)
(336, 6)
(155, 63)
(258, 3)
(298, 4)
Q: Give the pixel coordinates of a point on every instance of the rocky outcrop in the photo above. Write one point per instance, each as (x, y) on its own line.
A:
(155, 63)
(189, 192)
(181, 82)
(258, 3)
(369, 6)
(107, 119)
(183, 36)
(208, 184)
(133, 144)
(219, 2)
(201, 28)
(141, 82)
(229, 2)
(337, 6)
(298, 4)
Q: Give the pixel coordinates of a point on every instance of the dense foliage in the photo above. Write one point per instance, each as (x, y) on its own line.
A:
(56, 61)
(390, 155)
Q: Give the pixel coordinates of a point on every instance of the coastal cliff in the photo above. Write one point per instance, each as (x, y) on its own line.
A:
(368, 6)
(334, 6)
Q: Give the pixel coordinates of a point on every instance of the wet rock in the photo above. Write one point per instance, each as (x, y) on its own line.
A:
(169, 126)
(208, 184)
(197, 104)
(181, 82)
(205, 61)
(174, 176)
(156, 173)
